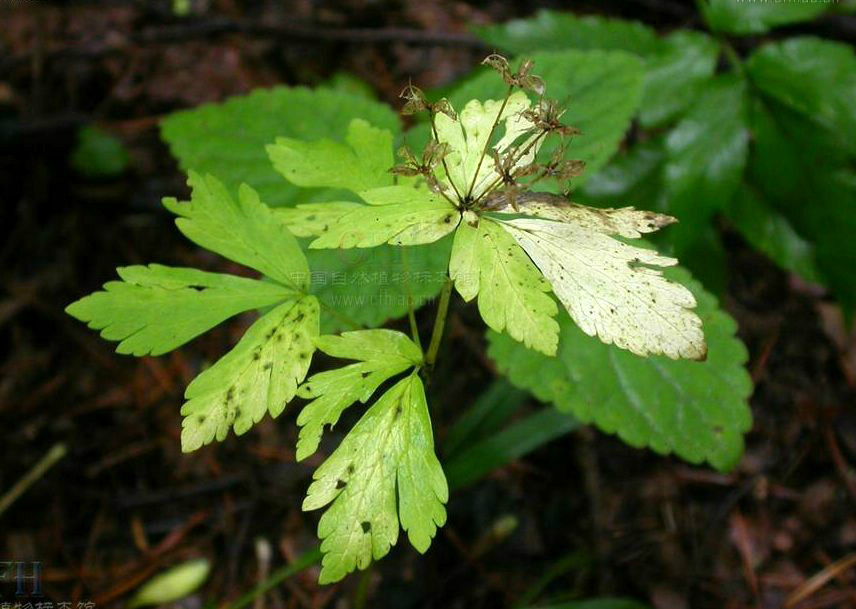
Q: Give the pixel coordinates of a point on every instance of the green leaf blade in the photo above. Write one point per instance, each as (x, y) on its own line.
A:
(359, 163)
(602, 90)
(697, 410)
(745, 18)
(381, 354)
(228, 139)
(512, 294)
(698, 184)
(259, 375)
(245, 230)
(674, 76)
(552, 30)
(158, 308)
(398, 215)
(814, 77)
(385, 471)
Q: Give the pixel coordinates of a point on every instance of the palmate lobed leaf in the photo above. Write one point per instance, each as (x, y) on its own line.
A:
(260, 374)
(384, 472)
(512, 294)
(610, 291)
(601, 89)
(380, 354)
(245, 230)
(603, 283)
(398, 215)
(468, 135)
(156, 308)
(228, 140)
(360, 163)
(698, 410)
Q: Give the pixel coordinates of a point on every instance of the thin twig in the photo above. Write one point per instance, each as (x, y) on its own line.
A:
(285, 34)
(56, 452)
(277, 577)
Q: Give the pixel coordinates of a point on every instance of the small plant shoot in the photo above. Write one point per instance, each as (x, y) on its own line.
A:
(574, 298)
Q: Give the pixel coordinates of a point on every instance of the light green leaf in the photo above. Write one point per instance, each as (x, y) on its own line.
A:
(812, 76)
(554, 31)
(470, 172)
(260, 374)
(228, 139)
(381, 355)
(770, 232)
(245, 231)
(511, 292)
(707, 153)
(744, 17)
(608, 287)
(156, 308)
(399, 215)
(313, 219)
(361, 162)
(697, 410)
(602, 90)
(383, 472)
(173, 584)
(674, 75)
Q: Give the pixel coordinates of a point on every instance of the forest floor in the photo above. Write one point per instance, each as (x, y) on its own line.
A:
(124, 502)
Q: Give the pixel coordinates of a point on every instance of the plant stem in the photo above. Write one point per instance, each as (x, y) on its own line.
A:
(304, 561)
(439, 324)
(50, 458)
(732, 57)
(411, 315)
(362, 592)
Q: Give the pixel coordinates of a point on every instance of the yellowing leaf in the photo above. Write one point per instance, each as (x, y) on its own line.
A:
(470, 134)
(381, 354)
(384, 472)
(260, 374)
(626, 221)
(609, 291)
(399, 215)
(511, 292)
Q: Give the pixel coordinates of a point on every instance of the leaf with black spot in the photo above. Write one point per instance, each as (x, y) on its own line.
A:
(380, 354)
(384, 472)
(260, 374)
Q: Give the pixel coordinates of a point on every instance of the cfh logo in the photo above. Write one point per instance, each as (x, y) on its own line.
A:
(27, 576)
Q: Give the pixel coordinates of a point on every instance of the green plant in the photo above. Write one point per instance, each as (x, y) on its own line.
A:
(476, 206)
(762, 139)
